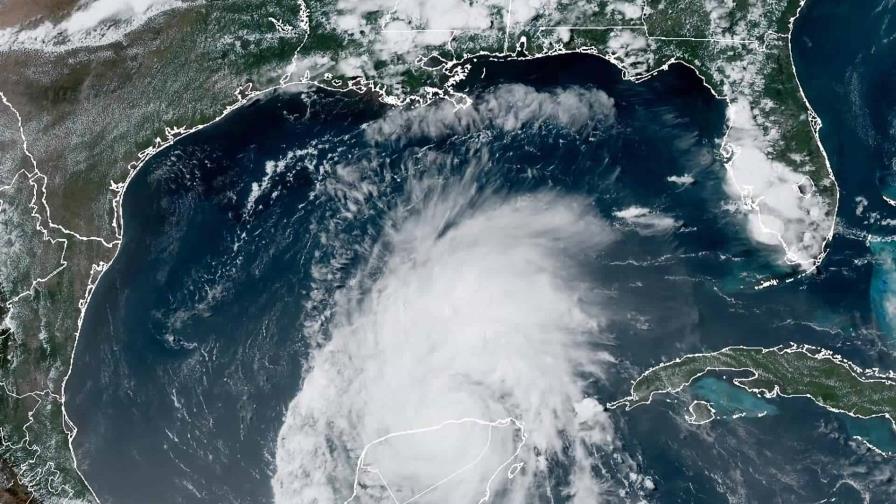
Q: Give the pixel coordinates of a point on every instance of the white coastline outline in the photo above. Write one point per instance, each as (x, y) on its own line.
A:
(691, 417)
(504, 422)
(871, 375)
(245, 94)
(38, 183)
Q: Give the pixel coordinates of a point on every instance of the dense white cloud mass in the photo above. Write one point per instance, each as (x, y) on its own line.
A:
(92, 13)
(647, 222)
(93, 23)
(785, 208)
(462, 364)
(508, 107)
(681, 180)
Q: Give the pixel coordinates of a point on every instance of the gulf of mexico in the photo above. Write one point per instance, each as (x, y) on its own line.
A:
(239, 238)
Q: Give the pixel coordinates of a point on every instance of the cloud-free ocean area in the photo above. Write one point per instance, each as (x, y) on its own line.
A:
(317, 272)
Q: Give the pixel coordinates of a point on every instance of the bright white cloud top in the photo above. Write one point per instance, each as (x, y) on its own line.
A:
(91, 13)
(508, 107)
(480, 318)
(93, 23)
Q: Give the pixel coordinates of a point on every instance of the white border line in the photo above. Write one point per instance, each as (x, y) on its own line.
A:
(246, 94)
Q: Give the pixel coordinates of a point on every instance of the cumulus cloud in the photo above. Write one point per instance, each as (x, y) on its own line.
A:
(719, 14)
(408, 26)
(460, 365)
(629, 10)
(91, 14)
(682, 180)
(425, 14)
(647, 222)
(507, 107)
(784, 207)
(523, 11)
(630, 49)
(94, 22)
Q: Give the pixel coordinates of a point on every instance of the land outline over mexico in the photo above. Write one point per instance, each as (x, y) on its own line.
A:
(420, 86)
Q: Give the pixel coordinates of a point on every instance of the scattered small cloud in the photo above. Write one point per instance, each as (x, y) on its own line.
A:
(92, 23)
(647, 222)
(682, 180)
(507, 107)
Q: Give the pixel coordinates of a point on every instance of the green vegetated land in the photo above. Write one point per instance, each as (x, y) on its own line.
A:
(792, 371)
(88, 112)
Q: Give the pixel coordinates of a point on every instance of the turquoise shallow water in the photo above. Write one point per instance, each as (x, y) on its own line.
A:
(850, 80)
(240, 239)
(729, 400)
(877, 431)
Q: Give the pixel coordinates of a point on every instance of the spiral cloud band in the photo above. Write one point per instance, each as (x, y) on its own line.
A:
(457, 373)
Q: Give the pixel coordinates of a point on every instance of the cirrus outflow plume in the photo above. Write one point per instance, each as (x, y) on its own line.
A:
(455, 369)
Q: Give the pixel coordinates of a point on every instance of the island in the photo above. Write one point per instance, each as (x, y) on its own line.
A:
(81, 114)
(700, 412)
(784, 371)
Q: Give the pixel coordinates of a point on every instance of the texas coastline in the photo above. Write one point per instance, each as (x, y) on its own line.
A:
(246, 101)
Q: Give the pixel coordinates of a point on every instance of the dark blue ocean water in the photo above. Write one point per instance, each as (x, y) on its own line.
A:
(857, 97)
(194, 342)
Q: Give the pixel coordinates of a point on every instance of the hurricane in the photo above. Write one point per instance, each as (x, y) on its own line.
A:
(458, 357)
(325, 299)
